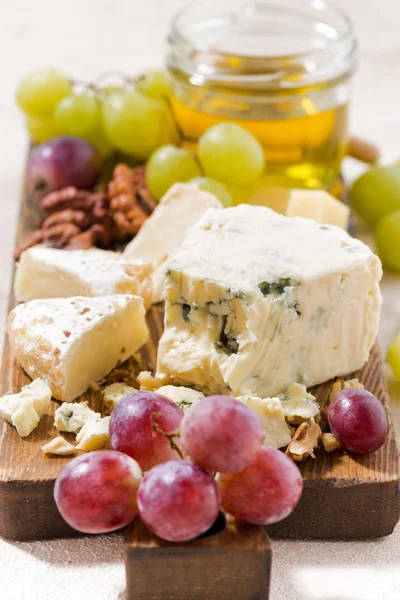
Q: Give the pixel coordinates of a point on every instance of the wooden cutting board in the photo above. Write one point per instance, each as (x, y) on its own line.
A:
(345, 496)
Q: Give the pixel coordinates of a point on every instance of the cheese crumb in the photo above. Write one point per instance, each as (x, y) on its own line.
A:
(94, 435)
(184, 397)
(277, 433)
(112, 394)
(298, 404)
(58, 446)
(73, 416)
(25, 409)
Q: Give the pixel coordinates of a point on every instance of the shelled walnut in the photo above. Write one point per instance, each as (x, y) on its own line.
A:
(80, 219)
(305, 440)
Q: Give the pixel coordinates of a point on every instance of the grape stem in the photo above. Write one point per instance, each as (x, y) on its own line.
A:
(170, 436)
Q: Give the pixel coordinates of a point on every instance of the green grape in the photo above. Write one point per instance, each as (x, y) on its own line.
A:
(78, 114)
(387, 239)
(100, 141)
(169, 132)
(155, 83)
(214, 187)
(376, 193)
(133, 122)
(167, 166)
(393, 356)
(40, 92)
(231, 154)
(41, 129)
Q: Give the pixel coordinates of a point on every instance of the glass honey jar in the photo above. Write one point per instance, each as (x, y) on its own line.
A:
(280, 69)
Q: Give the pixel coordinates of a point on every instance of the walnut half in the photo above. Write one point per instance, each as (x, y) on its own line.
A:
(305, 440)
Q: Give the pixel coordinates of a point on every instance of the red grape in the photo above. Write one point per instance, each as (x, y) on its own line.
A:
(358, 420)
(131, 429)
(178, 501)
(221, 434)
(62, 162)
(264, 493)
(96, 492)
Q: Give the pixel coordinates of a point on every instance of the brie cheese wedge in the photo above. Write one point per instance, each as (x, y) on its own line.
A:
(51, 273)
(163, 232)
(25, 409)
(70, 342)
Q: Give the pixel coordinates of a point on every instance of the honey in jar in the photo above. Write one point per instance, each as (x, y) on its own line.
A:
(281, 70)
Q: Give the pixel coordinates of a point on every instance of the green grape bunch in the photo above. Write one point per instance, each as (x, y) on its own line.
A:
(132, 117)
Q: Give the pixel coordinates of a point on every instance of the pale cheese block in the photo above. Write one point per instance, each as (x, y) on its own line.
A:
(163, 232)
(256, 301)
(44, 272)
(71, 342)
(312, 204)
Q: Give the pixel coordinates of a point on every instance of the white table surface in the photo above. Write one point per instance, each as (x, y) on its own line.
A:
(86, 38)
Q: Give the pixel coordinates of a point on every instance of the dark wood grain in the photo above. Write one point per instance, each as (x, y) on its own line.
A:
(234, 563)
(345, 496)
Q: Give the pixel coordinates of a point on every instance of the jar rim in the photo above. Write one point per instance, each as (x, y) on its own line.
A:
(332, 55)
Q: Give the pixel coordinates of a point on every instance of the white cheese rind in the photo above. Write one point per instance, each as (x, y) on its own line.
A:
(256, 301)
(162, 233)
(52, 273)
(70, 342)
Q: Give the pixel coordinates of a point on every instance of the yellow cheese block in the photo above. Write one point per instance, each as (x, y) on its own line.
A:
(311, 204)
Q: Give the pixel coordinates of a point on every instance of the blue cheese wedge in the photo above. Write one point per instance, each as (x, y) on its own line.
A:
(163, 232)
(256, 301)
(51, 273)
(71, 342)
(24, 410)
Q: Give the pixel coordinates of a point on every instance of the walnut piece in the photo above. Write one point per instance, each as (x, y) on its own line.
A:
(305, 441)
(330, 443)
(80, 219)
(342, 384)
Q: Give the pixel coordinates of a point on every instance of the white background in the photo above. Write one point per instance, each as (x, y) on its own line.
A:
(85, 38)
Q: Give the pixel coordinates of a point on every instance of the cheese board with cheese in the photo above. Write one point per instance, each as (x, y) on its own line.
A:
(342, 491)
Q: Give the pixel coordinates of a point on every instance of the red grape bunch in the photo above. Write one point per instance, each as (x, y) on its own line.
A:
(179, 498)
